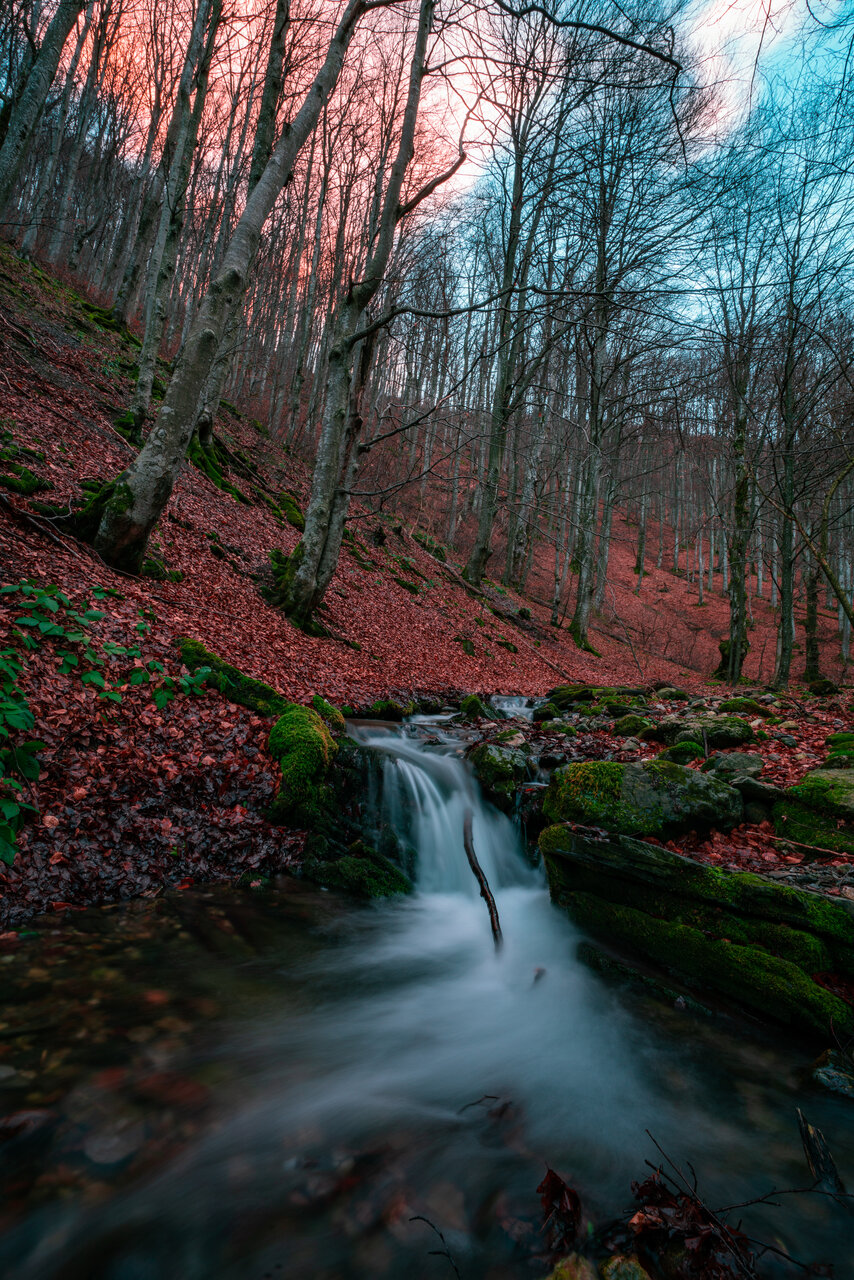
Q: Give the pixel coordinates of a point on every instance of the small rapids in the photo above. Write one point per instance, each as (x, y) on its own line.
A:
(393, 1067)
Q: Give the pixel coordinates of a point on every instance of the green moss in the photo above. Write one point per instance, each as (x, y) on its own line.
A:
(507, 644)
(361, 871)
(389, 709)
(750, 976)
(828, 790)
(291, 511)
(500, 770)
(682, 753)
(156, 569)
(586, 791)
(304, 748)
(411, 587)
(474, 708)
(545, 711)
(804, 825)
(840, 741)
(22, 480)
(743, 706)
(630, 726)
(231, 682)
(327, 712)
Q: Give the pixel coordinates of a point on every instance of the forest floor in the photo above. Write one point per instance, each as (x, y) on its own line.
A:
(133, 794)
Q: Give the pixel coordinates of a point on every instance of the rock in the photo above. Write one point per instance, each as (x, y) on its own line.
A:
(819, 811)
(620, 1267)
(669, 694)
(574, 1268)
(786, 739)
(545, 711)
(651, 798)
(743, 707)
(500, 770)
(682, 752)
(834, 1070)
(828, 791)
(631, 725)
(631, 744)
(736, 764)
(823, 688)
(756, 791)
(789, 725)
(474, 708)
(711, 731)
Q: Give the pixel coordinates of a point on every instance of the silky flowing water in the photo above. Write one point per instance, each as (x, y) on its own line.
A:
(242, 1085)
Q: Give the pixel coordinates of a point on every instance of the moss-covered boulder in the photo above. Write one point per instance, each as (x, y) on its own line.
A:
(753, 941)
(545, 711)
(743, 707)
(819, 811)
(474, 708)
(303, 747)
(735, 764)
(671, 694)
(565, 696)
(712, 732)
(630, 726)
(500, 770)
(361, 871)
(231, 682)
(331, 715)
(653, 798)
(682, 753)
(388, 709)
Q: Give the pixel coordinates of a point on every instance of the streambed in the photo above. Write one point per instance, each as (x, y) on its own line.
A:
(236, 1084)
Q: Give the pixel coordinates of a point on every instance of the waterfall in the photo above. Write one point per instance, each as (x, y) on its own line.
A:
(426, 790)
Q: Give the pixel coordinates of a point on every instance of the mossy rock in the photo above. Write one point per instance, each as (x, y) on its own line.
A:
(653, 799)
(500, 771)
(630, 726)
(303, 747)
(621, 865)
(843, 741)
(682, 753)
(735, 764)
(806, 826)
(829, 791)
(231, 682)
(823, 688)
(569, 695)
(743, 707)
(545, 711)
(389, 709)
(361, 871)
(474, 708)
(671, 694)
(330, 714)
(620, 1267)
(559, 726)
(751, 977)
(715, 731)
(839, 760)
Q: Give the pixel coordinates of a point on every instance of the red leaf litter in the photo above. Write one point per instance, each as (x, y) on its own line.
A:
(131, 798)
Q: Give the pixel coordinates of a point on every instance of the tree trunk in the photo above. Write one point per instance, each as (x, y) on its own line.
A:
(25, 114)
(133, 503)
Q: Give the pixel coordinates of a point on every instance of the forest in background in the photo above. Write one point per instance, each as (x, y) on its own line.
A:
(539, 282)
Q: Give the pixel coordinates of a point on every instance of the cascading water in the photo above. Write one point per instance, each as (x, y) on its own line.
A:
(426, 792)
(350, 1106)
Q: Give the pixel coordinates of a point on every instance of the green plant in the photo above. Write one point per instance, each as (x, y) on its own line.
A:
(16, 757)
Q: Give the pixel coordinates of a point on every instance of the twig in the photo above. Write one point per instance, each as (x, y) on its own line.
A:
(485, 891)
(438, 1253)
(817, 848)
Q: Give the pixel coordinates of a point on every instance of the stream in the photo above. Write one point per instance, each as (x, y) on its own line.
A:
(228, 1085)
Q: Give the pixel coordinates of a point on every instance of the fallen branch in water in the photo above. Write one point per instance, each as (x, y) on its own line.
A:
(485, 891)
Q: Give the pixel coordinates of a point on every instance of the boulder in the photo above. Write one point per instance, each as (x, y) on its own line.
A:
(575, 1267)
(707, 731)
(743, 707)
(749, 940)
(735, 764)
(834, 1070)
(619, 1267)
(682, 752)
(630, 726)
(474, 708)
(545, 711)
(819, 811)
(651, 798)
(500, 770)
